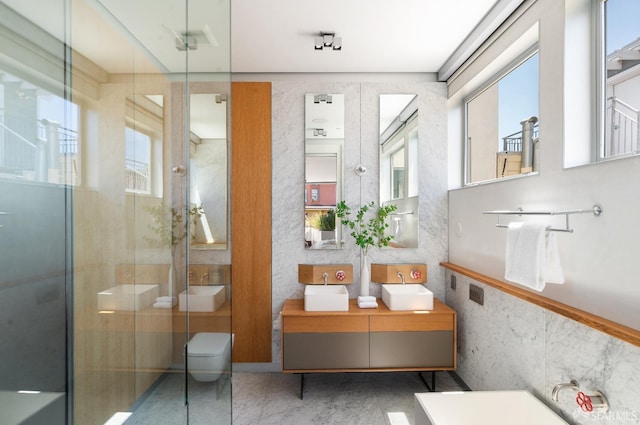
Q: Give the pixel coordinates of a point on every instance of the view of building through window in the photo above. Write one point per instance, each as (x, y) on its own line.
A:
(622, 65)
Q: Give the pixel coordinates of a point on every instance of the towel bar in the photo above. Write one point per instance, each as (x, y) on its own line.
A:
(596, 210)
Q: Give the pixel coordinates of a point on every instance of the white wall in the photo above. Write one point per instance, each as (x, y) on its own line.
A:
(599, 257)
(509, 343)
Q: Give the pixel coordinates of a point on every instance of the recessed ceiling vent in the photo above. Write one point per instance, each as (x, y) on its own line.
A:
(192, 39)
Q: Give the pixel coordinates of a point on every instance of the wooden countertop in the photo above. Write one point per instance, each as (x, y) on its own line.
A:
(295, 307)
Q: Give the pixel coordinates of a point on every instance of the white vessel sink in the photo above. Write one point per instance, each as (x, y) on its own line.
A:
(202, 298)
(483, 407)
(411, 296)
(326, 298)
(127, 297)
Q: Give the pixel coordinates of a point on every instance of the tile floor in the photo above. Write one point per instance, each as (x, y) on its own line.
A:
(330, 399)
(274, 399)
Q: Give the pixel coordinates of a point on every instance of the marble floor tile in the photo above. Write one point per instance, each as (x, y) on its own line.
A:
(274, 399)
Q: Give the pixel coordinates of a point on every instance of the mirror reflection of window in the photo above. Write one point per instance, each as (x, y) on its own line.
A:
(622, 79)
(324, 141)
(137, 161)
(208, 170)
(39, 138)
(143, 145)
(397, 174)
(502, 124)
(320, 195)
(399, 166)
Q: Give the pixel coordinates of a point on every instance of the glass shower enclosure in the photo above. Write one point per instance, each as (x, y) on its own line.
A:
(115, 284)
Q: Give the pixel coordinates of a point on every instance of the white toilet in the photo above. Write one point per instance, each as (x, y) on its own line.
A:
(208, 355)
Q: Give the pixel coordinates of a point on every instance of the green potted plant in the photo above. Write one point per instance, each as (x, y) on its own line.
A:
(368, 228)
(328, 225)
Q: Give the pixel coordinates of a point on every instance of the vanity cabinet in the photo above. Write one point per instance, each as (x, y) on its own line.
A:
(326, 342)
(367, 339)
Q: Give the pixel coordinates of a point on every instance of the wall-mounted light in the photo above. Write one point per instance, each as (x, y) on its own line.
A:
(328, 40)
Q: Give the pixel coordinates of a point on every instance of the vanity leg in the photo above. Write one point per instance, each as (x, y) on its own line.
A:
(431, 387)
(301, 386)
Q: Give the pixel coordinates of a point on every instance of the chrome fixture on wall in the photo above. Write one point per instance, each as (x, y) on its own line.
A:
(360, 169)
(328, 40)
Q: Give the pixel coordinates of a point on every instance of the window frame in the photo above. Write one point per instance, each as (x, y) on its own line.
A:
(599, 41)
(495, 78)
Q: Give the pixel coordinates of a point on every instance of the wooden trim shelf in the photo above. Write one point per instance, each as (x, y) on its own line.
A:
(625, 333)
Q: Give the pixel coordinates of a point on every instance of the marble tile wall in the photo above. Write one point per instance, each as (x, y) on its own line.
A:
(510, 344)
(361, 146)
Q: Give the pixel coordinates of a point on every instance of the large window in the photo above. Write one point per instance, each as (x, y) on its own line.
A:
(620, 41)
(502, 123)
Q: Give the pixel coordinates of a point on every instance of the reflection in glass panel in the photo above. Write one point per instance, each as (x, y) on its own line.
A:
(622, 92)
(399, 166)
(38, 153)
(324, 141)
(208, 171)
(502, 125)
(38, 132)
(108, 281)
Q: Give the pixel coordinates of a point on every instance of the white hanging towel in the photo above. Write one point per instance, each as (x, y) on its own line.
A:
(531, 257)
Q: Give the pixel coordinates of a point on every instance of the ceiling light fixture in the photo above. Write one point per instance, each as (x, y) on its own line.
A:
(319, 132)
(328, 40)
(319, 98)
(186, 41)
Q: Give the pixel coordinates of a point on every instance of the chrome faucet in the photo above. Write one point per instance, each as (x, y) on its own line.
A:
(401, 276)
(204, 276)
(573, 385)
(325, 277)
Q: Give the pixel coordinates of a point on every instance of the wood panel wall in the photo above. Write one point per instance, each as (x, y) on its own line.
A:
(251, 220)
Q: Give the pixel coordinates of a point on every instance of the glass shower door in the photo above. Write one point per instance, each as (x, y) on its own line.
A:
(145, 110)
(38, 139)
(102, 212)
(208, 256)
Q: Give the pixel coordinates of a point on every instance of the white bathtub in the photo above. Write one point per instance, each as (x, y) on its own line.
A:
(483, 407)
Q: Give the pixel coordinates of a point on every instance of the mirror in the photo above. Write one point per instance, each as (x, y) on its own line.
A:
(208, 170)
(502, 124)
(399, 166)
(207, 165)
(324, 145)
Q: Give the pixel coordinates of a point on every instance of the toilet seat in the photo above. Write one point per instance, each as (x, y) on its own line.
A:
(208, 344)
